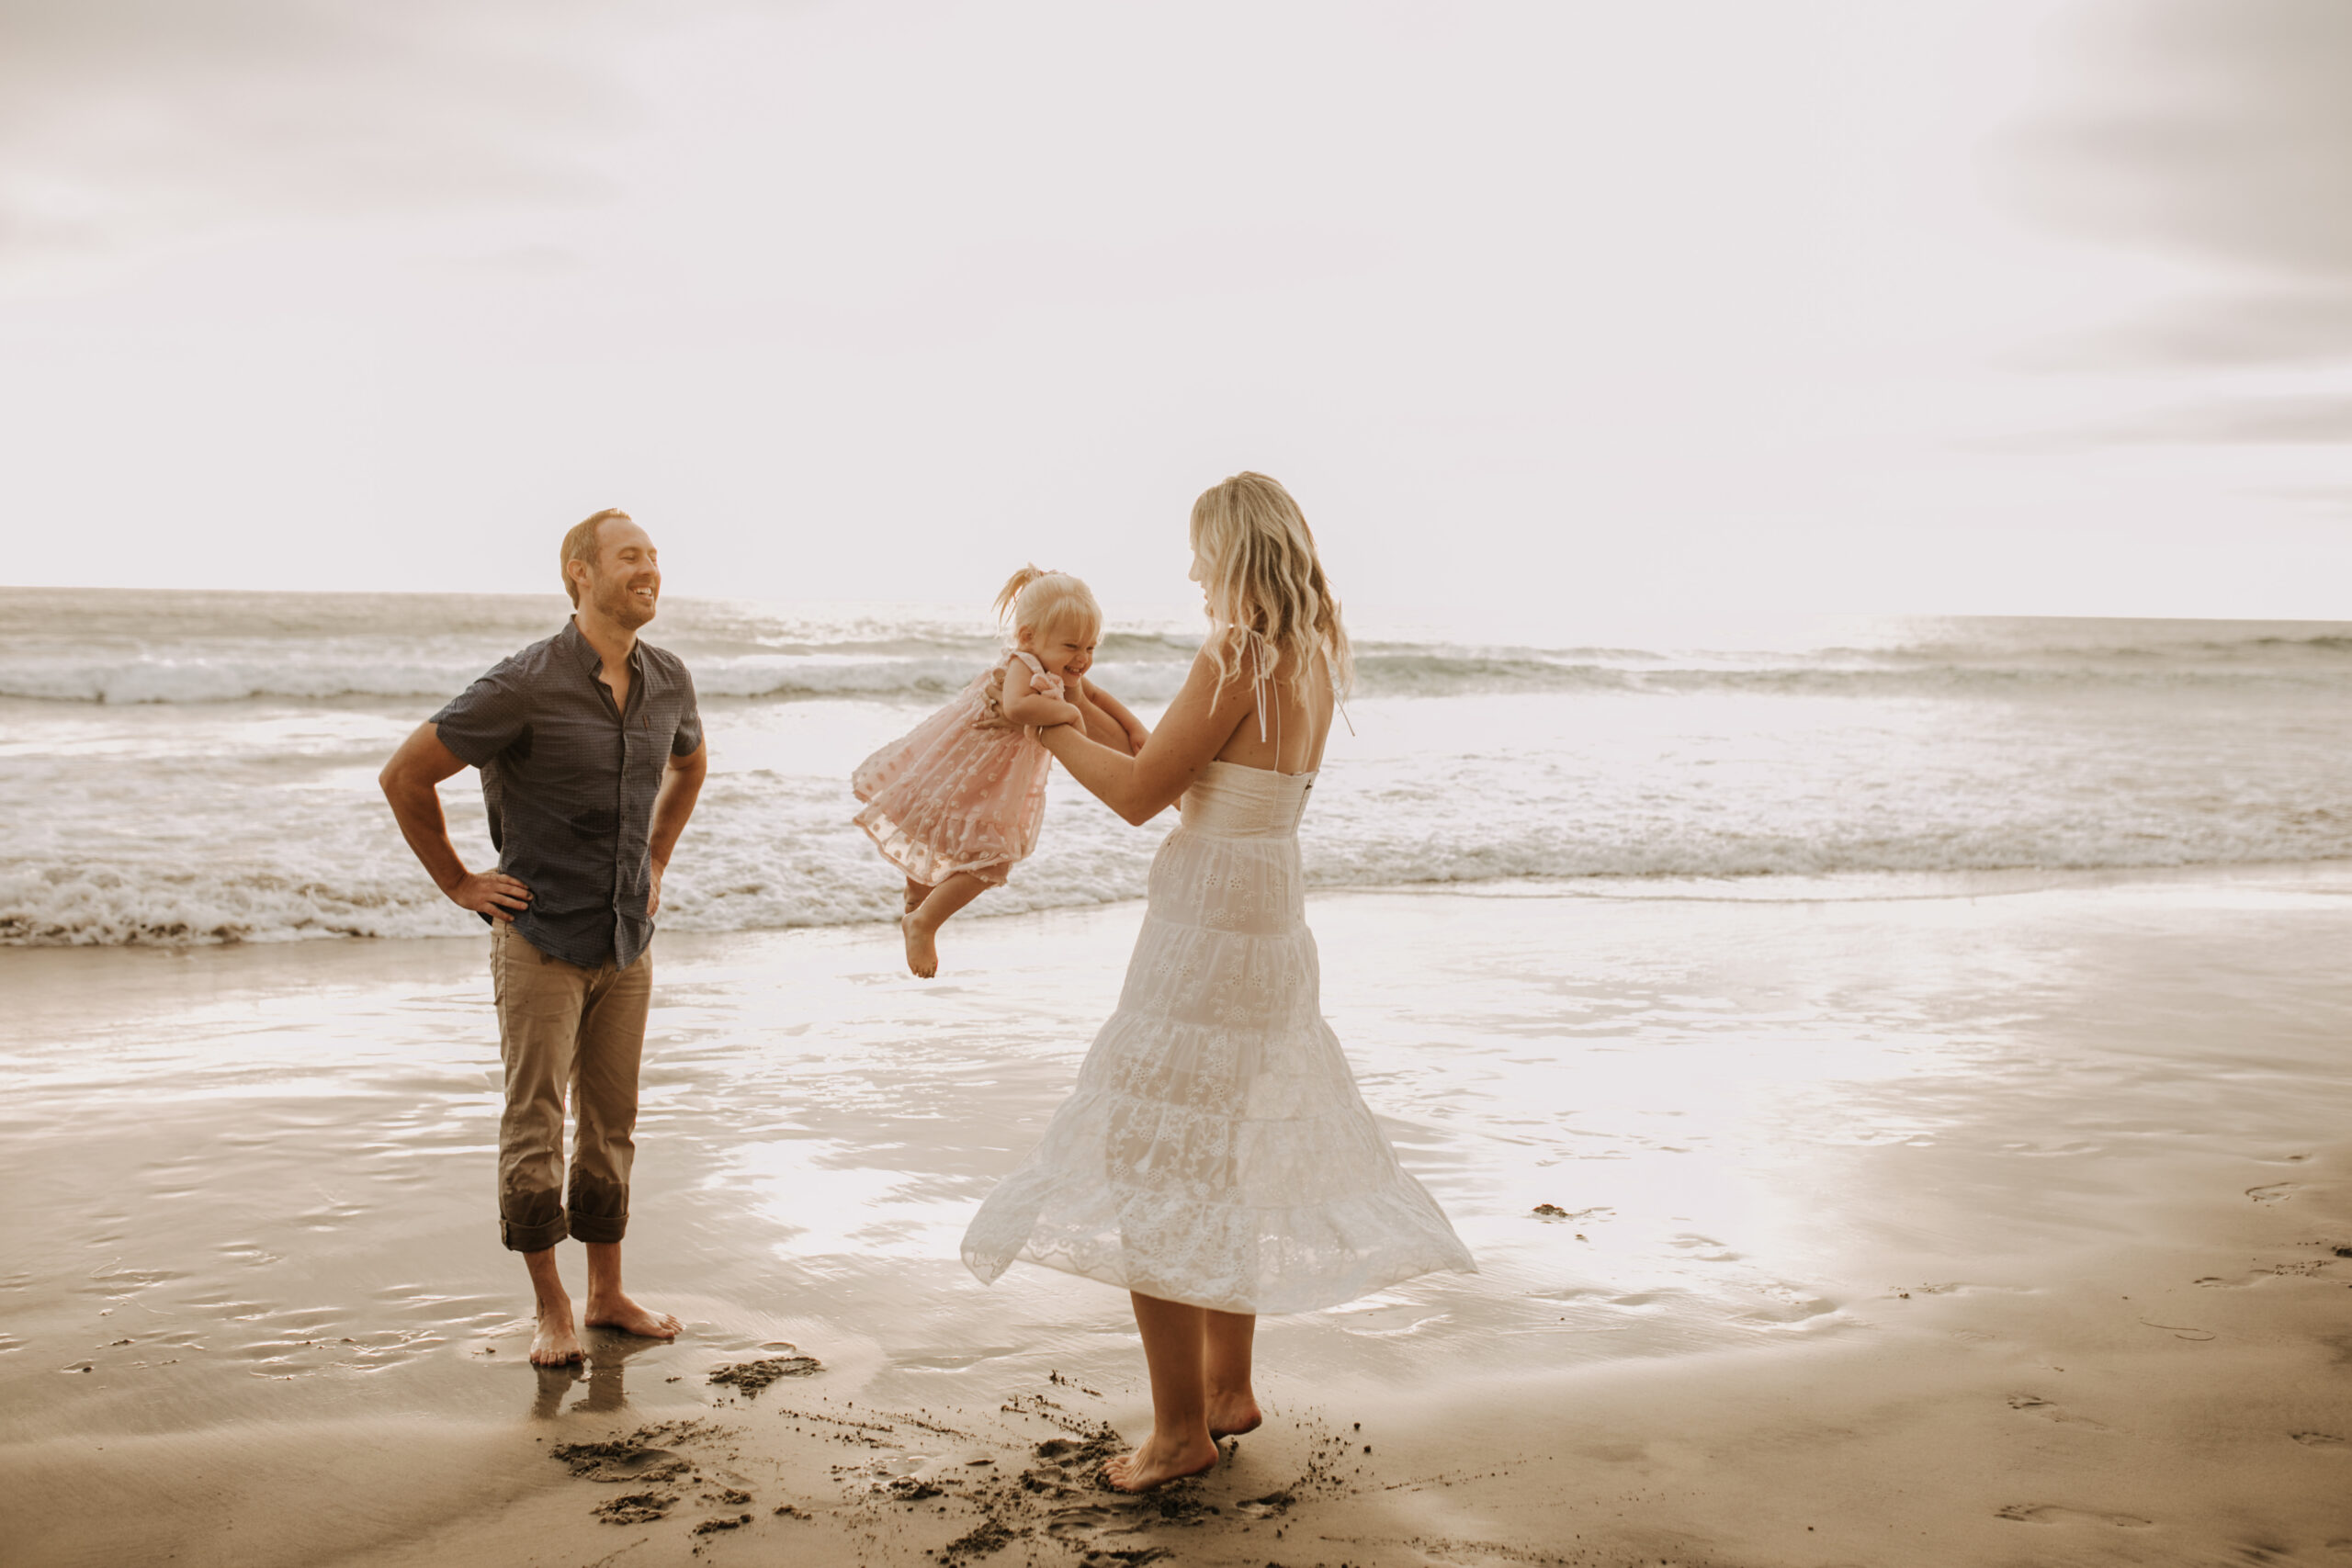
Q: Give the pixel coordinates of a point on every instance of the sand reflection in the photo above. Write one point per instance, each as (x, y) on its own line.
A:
(251, 1188)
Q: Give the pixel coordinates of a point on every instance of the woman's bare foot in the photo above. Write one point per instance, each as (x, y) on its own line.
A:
(916, 894)
(553, 1342)
(923, 952)
(625, 1314)
(1149, 1466)
(1231, 1416)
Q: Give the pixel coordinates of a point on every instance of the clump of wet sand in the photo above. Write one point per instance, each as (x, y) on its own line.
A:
(751, 1377)
(999, 1483)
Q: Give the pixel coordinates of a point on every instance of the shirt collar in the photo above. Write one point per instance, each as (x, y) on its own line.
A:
(585, 651)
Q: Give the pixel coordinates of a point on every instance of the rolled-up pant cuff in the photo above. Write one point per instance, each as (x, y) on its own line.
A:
(597, 1207)
(536, 1237)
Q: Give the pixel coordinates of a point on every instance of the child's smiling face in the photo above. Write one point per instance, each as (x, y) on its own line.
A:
(1062, 649)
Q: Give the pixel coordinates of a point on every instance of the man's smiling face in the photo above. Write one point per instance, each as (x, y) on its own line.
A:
(625, 581)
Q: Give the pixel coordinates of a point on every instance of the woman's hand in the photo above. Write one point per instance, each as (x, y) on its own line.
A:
(1118, 727)
(1194, 729)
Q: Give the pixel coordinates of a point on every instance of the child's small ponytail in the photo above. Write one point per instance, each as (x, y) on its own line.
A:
(1035, 600)
(1012, 587)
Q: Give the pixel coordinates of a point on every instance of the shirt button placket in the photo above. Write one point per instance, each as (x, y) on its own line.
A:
(620, 841)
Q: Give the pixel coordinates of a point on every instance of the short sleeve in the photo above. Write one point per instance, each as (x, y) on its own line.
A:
(686, 739)
(486, 717)
(1039, 682)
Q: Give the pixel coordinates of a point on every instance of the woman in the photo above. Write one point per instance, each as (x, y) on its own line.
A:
(1216, 1157)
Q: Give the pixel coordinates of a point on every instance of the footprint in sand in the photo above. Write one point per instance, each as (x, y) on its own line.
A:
(2033, 1404)
(2050, 1514)
(2320, 1440)
(2277, 1192)
(1088, 1531)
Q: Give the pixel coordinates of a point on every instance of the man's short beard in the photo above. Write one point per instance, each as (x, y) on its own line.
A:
(622, 607)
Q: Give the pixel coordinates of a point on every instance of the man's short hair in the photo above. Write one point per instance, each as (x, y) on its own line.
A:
(580, 544)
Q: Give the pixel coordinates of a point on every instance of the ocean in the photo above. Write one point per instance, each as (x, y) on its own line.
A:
(186, 767)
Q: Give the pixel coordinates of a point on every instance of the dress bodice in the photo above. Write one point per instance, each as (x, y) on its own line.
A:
(1039, 682)
(1236, 802)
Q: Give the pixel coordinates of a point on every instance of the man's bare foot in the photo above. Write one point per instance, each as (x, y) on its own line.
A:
(553, 1342)
(1231, 1417)
(923, 953)
(1148, 1467)
(630, 1318)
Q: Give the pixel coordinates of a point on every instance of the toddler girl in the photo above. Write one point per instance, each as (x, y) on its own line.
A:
(957, 799)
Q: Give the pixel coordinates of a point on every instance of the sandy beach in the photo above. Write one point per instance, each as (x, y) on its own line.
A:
(1999, 1220)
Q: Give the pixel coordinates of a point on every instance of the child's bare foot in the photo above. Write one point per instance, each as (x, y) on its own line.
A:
(1232, 1416)
(1149, 1466)
(619, 1311)
(553, 1342)
(923, 953)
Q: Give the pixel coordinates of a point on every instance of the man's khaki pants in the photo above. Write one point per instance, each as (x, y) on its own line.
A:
(564, 1027)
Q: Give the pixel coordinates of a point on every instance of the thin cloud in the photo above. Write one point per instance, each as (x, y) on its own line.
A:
(2220, 130)
(2219, 329)
(2319, 420)
(2333, 500)
(126, 121)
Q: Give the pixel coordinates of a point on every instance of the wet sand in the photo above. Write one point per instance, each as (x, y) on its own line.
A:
(2006, 1220)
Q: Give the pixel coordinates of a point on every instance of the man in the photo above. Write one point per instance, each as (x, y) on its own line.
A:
(590, 755)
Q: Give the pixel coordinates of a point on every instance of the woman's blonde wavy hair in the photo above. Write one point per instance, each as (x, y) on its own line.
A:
(1034, 600)
(1269, 605)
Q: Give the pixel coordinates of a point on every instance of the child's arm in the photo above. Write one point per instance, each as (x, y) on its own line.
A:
(1098, 726)
(1129, 730)
(1022, 705)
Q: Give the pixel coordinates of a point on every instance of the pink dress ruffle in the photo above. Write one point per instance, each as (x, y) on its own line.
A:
(946, 797)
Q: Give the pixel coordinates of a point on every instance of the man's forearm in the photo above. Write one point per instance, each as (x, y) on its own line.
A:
(418, 811)
(672, 806)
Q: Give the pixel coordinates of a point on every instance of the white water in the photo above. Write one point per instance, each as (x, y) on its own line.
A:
(199, 767)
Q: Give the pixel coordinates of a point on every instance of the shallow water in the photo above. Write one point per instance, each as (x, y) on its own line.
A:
(255, 1184)
(192, 767)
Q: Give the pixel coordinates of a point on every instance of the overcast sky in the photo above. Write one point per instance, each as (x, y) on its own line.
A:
(1577, 308)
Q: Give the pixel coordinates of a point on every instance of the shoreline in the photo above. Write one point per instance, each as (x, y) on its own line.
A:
(1974, 1229)
(1759, 887)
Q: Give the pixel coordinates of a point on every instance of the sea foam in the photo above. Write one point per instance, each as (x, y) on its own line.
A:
(201, 768)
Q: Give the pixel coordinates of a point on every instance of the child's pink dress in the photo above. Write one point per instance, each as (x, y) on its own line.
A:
(946, 797)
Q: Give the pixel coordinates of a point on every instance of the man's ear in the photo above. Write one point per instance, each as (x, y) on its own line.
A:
(577, 572)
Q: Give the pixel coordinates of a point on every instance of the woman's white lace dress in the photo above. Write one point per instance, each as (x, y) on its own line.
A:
(1218, 1151)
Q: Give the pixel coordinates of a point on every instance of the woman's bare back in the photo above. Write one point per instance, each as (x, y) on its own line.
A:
(1297, 723)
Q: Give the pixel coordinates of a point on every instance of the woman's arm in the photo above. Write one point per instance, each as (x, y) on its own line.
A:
(1022, 705)
(1133, 727)
(1194, 729)
(1100, 727)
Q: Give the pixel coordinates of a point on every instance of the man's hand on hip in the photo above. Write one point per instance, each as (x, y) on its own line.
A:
(492, 892)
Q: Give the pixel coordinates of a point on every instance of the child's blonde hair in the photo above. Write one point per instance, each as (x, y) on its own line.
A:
(1035, 600)
(1269, 605)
